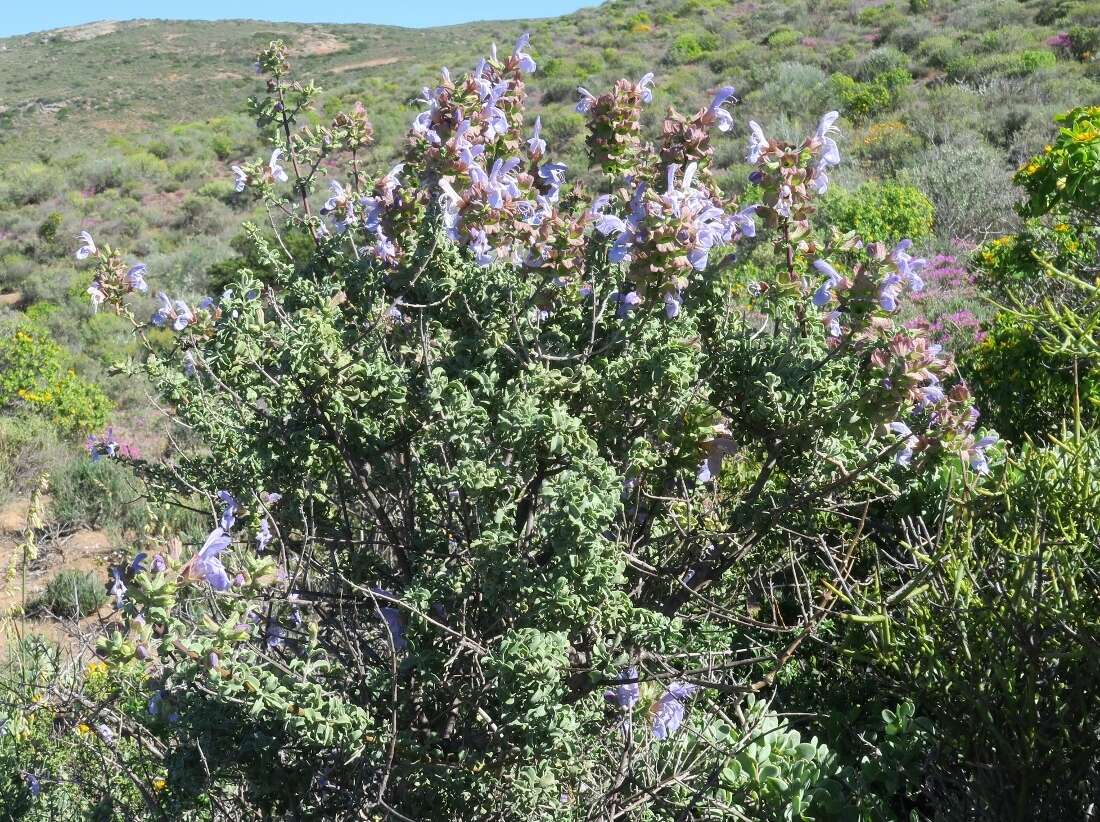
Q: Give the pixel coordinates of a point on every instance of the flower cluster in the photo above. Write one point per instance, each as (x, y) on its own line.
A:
(113, 279)
(792, 175)
(666, 236)
(615, 124)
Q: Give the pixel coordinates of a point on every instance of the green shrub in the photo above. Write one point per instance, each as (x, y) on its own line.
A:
(97, 494)
(27, 184)
(1023, 390)
(72, 594)
(35, 372)
(29, 448)
(862, 100)
(995, 642)
(690, 48)
(881, 212)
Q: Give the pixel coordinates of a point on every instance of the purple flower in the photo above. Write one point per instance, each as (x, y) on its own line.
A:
(523, 59)
(159, 564)
(88, 248)
(978, 460)
(627, 693)
(207, 564)
(135, 278)
(645, 86)
(628, 302)
(833, 279)
(723, 118)
(33, 785)
(137, 562)
(230, 506)
(669, 710)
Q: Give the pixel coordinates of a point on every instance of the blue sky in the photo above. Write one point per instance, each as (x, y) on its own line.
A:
(21, 17)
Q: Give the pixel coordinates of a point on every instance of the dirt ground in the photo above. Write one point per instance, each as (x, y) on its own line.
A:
(82, 550)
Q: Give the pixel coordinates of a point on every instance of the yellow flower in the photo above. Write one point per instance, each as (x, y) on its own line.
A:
(83, 729)
(1061, 228)
(97, 667)
(159, 784)
(1032, 167)
(1086, 136)
(1072, 246)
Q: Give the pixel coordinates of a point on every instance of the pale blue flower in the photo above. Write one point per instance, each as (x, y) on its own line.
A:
(118, 589)
(263, 535)
(888, 292)
(587, 100)
(833, 279)
(669, 711)
(627, 693)
(536, 146)
(208, 566)
(722, 117)
(908, 267)
(758, 143)
(97, 294)
(674, 300)
(905, 455)
(277, 171)
(392, 616)
(628, 302)
(135, 278)
(87, 249)
(978, 460)
(240, 178)
(525, 62)
(230, 506)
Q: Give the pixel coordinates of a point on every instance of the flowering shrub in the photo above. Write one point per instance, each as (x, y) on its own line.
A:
(34, 373)
(501, 476)
(878, 212)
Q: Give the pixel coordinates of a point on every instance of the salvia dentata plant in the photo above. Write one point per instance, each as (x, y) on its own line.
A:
(516, 489)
